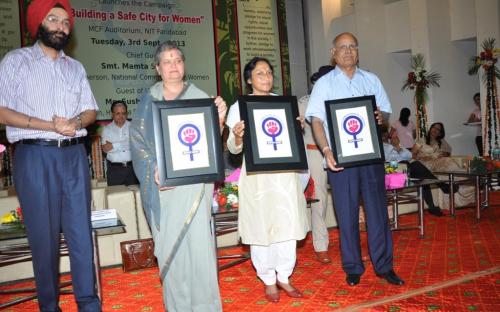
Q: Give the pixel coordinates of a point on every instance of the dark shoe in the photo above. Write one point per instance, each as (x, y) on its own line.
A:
(272, 293)
(291, 291)
(436, 211)
(352, 279)
(392, 278)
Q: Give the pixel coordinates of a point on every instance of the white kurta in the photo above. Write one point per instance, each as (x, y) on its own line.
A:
(272, 206)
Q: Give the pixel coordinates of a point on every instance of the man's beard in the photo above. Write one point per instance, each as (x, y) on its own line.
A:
(53, 39)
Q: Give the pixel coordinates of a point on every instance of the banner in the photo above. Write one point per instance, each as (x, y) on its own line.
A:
(10, 32)
(116, 41)
(259, 35)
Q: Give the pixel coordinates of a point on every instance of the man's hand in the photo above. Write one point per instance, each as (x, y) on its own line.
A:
(64, 126)
(395, 143)
(107, 147)
(157, 181)
(302, 121)
(379, 116)
(330, 161)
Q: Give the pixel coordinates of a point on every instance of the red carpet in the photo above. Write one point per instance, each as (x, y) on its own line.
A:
(455, 267)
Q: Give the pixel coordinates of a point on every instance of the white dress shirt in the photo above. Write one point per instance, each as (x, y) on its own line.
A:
(61, 86)
(119, 137)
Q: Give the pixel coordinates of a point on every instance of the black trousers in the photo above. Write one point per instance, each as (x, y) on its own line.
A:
(120, 174)
(417, 170)
(479, 144)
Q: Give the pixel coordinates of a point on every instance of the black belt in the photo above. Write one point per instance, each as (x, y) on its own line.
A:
(120, 164)
(49, 142)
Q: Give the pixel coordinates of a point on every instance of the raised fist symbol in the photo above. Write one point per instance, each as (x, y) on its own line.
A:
(272, 127)
(353, 125)
(189, 135)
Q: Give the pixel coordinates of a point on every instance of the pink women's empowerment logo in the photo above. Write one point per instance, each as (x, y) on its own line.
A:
(189, 135)
(353, 125)
(272, 127)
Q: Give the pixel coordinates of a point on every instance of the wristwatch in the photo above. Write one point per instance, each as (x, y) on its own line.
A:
(79, 121)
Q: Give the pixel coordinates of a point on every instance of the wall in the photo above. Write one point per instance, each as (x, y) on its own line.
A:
(390, 31)
(453, 100)
(297, 48)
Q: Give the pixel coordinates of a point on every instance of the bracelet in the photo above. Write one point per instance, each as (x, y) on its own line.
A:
(28, 125)
(324, 149)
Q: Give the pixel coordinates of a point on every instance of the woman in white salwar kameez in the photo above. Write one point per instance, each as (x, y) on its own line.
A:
(272, 206)
(179, 217)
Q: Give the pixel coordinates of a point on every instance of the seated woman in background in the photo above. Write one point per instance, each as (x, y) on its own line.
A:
(272, 206)
(393, 151)
(404, 129)
(433, 151)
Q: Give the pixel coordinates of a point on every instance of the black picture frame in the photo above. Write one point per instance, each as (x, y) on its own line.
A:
(260, 113)
(354, 134)
(185, 130)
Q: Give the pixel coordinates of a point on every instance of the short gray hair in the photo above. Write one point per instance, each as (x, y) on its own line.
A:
(167, 46)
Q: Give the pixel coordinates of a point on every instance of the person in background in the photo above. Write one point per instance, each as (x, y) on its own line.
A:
(404, 129)
(46, 103)
(179, 217)
(393, 151)
(272, 207)
(346, 81)
(318, 174)
(116, 144)
(475, 116)
(433, 151)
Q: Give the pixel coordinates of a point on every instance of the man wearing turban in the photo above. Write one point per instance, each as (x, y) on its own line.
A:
(46, 102)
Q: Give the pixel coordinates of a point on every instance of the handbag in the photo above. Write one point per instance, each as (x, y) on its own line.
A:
(137, 254)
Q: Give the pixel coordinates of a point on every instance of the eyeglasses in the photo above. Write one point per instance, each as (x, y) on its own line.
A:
(344, 48)
(56, 20)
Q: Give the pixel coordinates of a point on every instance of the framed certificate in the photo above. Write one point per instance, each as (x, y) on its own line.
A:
(188, 141)
(273, 138)
(354, 135)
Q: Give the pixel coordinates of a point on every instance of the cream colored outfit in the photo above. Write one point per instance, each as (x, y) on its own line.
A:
(437, 163)
(318, 173)
(272, 206)
(271, 214)
(465, 195)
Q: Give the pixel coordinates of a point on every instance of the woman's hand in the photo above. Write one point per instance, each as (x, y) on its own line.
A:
(221, 109)
(157, 181)
(239, 131)
(415, 151)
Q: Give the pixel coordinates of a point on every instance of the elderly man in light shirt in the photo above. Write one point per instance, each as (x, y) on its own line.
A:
(116, 145)
(349, 185)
